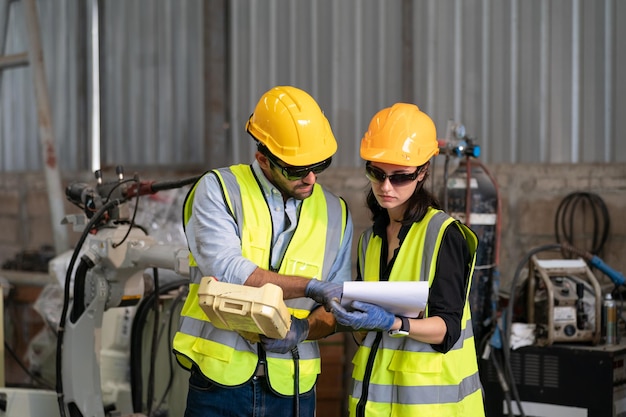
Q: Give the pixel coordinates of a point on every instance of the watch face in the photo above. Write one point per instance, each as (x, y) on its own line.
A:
(398, 333)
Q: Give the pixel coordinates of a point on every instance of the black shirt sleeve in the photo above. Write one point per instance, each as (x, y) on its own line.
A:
(448, 291)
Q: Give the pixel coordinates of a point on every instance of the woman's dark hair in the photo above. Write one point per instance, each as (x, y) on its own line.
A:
(417, 204)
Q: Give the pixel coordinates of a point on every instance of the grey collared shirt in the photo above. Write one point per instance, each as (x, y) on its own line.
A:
(215, 241)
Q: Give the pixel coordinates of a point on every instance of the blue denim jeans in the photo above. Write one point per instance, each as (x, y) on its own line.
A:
(252, 399)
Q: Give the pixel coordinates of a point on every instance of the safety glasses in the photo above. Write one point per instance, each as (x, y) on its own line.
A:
(293, 173)
(376, 174)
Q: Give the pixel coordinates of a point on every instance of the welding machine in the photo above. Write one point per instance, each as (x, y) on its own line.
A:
(564, 301)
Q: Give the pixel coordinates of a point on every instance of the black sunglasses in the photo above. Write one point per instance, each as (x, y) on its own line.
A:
(293, 173)
(376, 174)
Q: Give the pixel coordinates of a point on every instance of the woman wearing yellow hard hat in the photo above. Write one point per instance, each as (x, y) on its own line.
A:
(427, 365)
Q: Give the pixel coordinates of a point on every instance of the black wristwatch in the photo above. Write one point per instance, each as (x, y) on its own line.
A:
(403, 330)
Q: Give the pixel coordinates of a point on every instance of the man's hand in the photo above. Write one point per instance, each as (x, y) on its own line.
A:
(323, 292)
(297, 333)
(365, 316)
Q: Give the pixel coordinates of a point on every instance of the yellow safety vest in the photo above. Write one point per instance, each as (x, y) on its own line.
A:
(224, 356)
(404, 377)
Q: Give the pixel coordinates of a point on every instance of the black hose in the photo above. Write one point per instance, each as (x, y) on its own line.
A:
(168, 185)
(179, 298)
(154, 346)
(502, 379)
(78, 306)
(136, 338)
(445, 182)
(296, 381)
(564, 222)
(24, 368)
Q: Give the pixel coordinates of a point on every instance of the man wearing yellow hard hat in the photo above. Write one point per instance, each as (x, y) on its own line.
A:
(266, 222)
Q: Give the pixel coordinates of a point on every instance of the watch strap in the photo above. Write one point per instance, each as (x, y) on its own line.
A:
(406, 325)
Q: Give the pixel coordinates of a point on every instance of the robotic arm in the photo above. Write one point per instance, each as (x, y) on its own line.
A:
(115, 254)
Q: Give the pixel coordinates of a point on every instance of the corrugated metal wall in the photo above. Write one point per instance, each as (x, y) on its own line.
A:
(534, 81)
(63, 49)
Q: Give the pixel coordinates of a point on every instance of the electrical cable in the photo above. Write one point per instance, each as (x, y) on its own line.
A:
(496, 362)
(502, 379)
(117, 185)
(468, 192)
(168, 185)
(139, 320)
(578, 203)
(445, 182)
(132, 222)
(175, 303)
(22, 365)
(296, 381)
(153, 348)
(498, 231)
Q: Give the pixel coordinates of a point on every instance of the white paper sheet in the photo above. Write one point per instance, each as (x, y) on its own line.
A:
(404, 298)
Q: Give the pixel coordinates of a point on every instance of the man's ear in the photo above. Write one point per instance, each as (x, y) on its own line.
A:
(262, 160)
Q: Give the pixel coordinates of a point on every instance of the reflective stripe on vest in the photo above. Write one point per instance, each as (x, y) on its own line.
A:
(224, 356)
(409, 377)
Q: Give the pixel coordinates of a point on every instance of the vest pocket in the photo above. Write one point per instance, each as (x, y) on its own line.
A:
(212, 350)
(302, 269)
(416, 362)
(359, 361)
(254, 245)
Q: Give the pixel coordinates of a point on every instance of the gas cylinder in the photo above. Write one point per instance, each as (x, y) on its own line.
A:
(470, 184)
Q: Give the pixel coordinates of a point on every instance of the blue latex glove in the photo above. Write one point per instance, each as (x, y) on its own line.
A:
(298, 332)
(365, 316)
(323, 292)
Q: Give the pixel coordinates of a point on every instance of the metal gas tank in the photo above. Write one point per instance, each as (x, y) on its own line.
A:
(471, 197)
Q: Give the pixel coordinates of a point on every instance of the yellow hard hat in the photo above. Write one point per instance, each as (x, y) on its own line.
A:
(290, 123)
(402, 135)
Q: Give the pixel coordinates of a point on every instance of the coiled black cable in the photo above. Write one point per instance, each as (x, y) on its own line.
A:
(572, 212)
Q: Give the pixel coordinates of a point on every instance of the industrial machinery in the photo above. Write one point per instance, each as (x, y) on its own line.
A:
(543, 376)
(561, 380)
(564, 301)
(470, 195)
(107, 270)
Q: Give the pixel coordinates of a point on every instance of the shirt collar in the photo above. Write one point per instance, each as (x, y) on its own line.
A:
(269, 190)
(266, 186)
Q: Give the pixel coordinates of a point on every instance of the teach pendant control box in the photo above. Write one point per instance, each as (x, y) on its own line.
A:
(250, 311)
